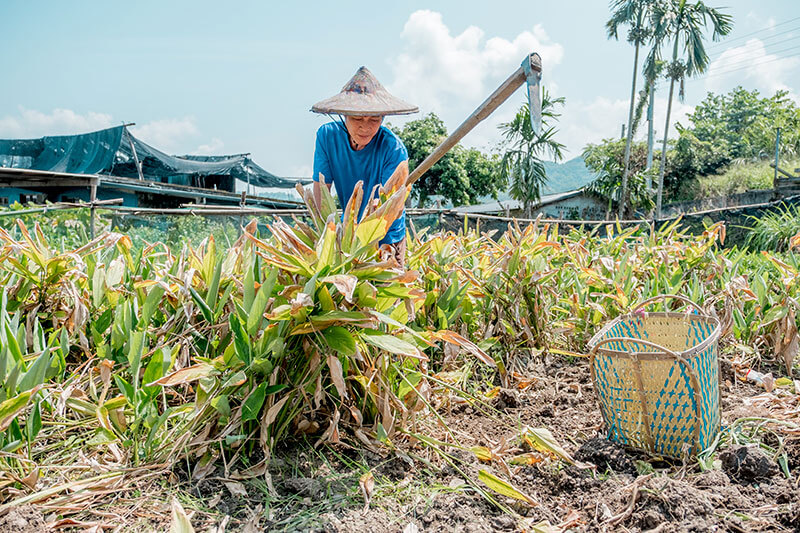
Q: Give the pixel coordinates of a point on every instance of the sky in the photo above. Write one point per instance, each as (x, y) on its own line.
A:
(210, 77)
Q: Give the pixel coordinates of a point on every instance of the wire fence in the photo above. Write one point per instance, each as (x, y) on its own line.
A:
(70, 225)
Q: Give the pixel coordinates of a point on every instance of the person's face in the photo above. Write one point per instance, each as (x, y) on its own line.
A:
(363, 129)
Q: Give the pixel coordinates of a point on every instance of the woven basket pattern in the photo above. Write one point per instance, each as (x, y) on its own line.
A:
(662, 400)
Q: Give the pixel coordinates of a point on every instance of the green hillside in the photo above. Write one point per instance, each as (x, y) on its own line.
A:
(567, 176)
(562, 177)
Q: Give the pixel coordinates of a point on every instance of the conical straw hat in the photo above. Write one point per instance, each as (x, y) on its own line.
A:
(364, 95)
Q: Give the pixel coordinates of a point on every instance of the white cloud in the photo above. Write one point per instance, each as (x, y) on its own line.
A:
(590, 122)
(452, 74)
(301, 171)
(750, 64)
(760, 23)
(30, 123)
(168, 135)
(172, 135)
(214, 147)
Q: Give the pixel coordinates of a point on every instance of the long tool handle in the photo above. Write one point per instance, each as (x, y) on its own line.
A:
(499, 96)
(661, 297)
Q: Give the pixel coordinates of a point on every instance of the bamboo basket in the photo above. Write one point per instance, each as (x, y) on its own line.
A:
(656, 378)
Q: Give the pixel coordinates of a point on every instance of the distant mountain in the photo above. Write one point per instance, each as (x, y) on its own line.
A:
(568, 176)
(561, 177)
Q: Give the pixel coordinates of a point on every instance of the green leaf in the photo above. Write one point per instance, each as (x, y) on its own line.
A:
(220, 403)
(135, 349)
(235, 380)
(774, 313)
(256, 315)
(10, 408)
(241, 341)
(340, 339)
(36, 373)
(391, 344)
(204, 309)
(504, 487)
(272, 389)
(157, 367)
(126, 389)
(249, 282)
(252, 405)
(13, 346)
(213, 287)
(541, 439)
(150, 305)
(371, 230)
(34, 423)
(102, 437)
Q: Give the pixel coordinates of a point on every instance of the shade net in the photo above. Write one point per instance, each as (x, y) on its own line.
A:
(111, 152)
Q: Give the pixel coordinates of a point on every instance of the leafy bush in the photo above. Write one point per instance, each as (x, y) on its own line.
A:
(773, 230)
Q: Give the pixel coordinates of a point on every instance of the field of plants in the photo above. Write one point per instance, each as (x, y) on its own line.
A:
(297, 379)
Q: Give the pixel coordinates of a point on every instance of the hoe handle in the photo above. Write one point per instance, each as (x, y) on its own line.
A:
(499, 96)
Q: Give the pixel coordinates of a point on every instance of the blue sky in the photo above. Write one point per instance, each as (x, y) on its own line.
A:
(230, 77)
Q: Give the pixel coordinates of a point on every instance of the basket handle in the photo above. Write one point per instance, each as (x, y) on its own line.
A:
(640, 341)
(661, 297)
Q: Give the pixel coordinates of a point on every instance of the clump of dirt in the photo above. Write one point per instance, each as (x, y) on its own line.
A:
(607, 455)
(461, 512)
(668, 500)
(507, 399)
(25, 519)
(304, 486)
(747, 464)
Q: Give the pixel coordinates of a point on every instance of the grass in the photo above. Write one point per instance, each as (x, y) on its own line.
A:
(741, 177)
(774, 230)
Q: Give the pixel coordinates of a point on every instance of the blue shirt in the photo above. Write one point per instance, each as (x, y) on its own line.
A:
(374, 165)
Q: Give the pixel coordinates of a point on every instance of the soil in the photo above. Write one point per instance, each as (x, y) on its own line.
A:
(25, 519)
(609, 488)
(626, 490)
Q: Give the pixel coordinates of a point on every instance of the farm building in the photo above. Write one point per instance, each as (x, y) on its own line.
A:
(570, 205)
(118, 165)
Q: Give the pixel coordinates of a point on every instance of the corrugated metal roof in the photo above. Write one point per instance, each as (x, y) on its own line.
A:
(490, 208)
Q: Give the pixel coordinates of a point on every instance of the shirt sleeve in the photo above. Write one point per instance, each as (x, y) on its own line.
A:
(396, 154)
(322, 162)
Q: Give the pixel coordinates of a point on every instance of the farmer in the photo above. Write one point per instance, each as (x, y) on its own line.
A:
(357, 147)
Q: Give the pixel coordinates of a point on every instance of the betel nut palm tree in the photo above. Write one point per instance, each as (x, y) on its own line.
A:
(636, 14)
(683, 25)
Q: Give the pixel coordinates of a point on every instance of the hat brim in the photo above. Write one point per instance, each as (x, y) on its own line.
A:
(370, 105)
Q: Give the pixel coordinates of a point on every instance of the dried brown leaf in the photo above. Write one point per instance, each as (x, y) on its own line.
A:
(367, 484)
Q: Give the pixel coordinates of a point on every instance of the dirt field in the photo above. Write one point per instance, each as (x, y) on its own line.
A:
(416, 489)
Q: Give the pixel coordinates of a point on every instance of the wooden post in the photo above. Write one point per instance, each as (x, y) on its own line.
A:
(93, 209)
(499, 96)
(242, 205)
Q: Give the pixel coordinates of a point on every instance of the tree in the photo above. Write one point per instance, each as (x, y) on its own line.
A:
(683, 23)
(521, 164)
(636, 14)
(744, 123)
(607, 160)
(462, 176)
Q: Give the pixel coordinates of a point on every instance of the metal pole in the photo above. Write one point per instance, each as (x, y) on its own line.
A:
(135, 157)
(777, 153)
